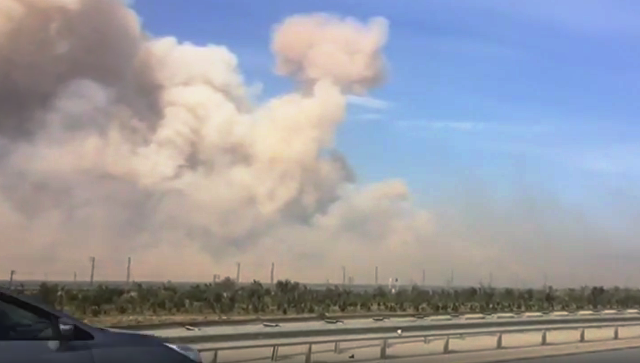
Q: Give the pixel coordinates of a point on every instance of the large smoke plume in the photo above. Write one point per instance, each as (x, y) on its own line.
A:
(116, 144)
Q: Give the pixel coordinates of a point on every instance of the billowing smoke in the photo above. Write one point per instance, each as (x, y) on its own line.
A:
(303, 46)
(115, 144)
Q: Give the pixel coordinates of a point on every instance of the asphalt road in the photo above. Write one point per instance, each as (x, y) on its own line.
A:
(468, 349)
(615, 356)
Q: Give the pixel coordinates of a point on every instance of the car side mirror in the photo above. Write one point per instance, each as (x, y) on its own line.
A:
(62, 330)
(66, 329)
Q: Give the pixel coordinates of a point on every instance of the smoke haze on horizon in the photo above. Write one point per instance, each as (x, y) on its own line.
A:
(114, 143)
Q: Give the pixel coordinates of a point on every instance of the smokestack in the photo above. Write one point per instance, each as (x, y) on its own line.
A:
(238, 272)
(93, 268)
(128, 271)
(376, 275)
(273, 267)
(13, 272)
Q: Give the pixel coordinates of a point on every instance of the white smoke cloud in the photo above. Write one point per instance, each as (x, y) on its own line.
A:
(117, 144)
(304, 44)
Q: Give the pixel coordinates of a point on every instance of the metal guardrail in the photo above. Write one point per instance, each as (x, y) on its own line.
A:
(385, 341)
(365, 316)
(204, 336)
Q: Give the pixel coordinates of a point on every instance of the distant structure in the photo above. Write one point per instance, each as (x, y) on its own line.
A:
(273, 268)
(128, 270)
(238, 272)
(344, 275)
(376, 275)
(450, 280)
(92, 259)
(11, 274)
(393, 284)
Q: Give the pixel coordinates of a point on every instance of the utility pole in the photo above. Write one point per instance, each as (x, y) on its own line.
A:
(273, 268)
(238, 272)
(93, 268)
(344, 275)
(424, 277)
(376, 275)
(13, 272)
(75, 277)
(128, 270)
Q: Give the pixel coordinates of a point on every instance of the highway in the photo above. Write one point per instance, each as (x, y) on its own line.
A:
(462, 349)
(257, 331)
(254, 342)
(631, 355)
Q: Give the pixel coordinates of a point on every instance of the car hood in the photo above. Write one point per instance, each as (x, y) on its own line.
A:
(119, 337)
(132, 332)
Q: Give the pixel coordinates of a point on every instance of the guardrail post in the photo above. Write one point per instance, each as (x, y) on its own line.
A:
(445, 348)
(307, 357)
(616, 333)
(274, 353)
(499, 341)
(383, 349)
(582, 336)
(215, 357)
(543, 339)
(336, 348)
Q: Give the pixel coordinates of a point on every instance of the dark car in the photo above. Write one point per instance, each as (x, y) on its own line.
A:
(32, 332)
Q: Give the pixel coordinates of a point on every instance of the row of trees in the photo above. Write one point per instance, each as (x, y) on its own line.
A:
(225, 298)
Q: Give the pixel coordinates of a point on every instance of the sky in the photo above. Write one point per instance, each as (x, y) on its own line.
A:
(489, 89)
(493, 138)
(534, 97)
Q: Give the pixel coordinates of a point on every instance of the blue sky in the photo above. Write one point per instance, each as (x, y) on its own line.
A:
(538, 92)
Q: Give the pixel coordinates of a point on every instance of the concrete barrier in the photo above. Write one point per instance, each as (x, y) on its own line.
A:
(474, 340)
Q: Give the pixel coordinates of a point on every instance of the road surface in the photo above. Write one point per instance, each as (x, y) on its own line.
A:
(616, 356)
(473, 349)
